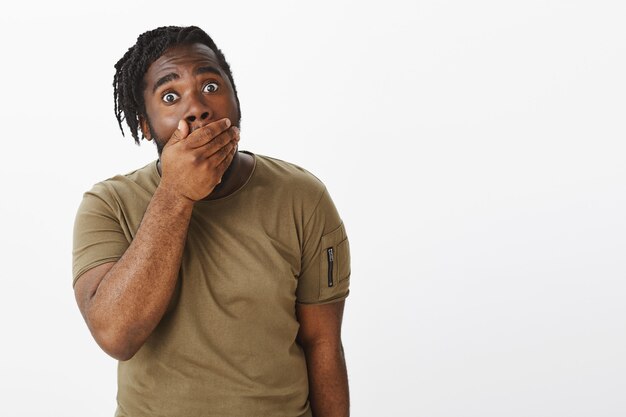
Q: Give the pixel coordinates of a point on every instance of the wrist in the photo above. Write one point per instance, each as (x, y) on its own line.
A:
(172, 197)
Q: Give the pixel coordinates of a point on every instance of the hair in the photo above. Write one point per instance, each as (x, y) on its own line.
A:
(128, 81)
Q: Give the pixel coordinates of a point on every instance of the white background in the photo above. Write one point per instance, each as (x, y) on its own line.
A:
(475, 150)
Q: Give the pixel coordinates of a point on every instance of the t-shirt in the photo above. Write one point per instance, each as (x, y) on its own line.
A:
(226, 346)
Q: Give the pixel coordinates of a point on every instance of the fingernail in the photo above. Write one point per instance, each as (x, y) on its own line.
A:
(227, 122)
(181, 124)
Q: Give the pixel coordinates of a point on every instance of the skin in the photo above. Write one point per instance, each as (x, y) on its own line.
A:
(189, 98)
(320, 337)
(122, 302)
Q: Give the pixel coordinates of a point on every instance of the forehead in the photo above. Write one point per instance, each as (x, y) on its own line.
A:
(179, 58)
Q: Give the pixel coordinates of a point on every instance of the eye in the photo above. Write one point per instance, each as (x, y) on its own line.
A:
(210, 87)
(170, 97)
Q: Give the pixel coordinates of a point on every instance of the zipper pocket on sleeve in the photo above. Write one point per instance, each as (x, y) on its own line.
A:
(331, 258)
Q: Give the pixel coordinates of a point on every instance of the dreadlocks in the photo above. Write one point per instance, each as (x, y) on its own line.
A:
(128, 82)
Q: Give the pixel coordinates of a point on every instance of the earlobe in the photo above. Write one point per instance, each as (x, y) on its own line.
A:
(145, 128)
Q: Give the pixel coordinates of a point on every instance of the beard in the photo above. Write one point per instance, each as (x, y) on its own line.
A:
(158, 142)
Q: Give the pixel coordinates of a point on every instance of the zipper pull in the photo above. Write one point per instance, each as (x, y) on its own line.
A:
(331, 257)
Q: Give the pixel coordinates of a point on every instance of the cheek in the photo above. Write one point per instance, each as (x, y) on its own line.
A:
(169, 121)
(164, 124)
(232, 104)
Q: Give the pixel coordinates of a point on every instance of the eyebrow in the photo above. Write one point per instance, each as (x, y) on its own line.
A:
(207, 69)
(173, 76)
(164, 80)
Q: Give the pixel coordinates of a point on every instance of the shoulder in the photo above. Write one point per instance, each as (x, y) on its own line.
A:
(290, 185)
(144, 179)
(288, 174)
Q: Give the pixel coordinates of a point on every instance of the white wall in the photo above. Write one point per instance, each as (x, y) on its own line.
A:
(474, 149)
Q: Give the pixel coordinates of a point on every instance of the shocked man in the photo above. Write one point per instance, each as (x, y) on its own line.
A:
(216, 277)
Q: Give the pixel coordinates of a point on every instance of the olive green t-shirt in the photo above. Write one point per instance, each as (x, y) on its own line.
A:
(226, 347)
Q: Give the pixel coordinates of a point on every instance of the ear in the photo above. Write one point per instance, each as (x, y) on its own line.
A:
(145, 129)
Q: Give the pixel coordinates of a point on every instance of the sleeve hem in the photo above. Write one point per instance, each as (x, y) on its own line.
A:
(93, 265)
(332, 300)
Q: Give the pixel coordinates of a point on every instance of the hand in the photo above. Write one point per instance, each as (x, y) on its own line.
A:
(193, 164)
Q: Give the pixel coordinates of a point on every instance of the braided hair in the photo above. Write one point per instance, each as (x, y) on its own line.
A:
(128, 82)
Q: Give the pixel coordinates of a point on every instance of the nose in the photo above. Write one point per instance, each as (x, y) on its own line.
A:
(198, 113)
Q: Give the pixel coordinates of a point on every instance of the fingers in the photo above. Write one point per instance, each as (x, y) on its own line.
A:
(206, 134)
(225, 154)
(226, 161)
(180, 133)
(223, 140)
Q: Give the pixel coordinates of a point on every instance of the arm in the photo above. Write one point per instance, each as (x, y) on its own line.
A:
(122, 302)
(320, 337)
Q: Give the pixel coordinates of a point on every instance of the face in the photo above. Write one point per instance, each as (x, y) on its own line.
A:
(186, 83)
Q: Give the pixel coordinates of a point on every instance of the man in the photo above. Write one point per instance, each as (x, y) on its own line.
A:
(217, 278)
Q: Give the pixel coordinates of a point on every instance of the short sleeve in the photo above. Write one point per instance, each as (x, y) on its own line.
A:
(325, 267)
(98, 235)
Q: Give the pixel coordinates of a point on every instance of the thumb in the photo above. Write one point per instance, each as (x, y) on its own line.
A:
(181, 132)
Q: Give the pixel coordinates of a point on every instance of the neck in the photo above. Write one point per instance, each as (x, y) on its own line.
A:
(230, 180)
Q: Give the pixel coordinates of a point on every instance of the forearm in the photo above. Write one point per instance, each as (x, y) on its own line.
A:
(133, 296)
(328, 380)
